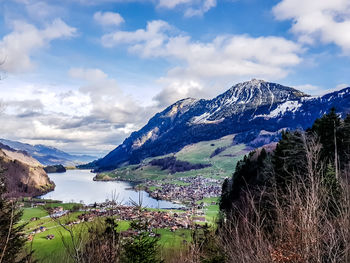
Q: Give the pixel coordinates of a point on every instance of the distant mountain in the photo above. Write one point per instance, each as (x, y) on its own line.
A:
(24, 175)
(49, 155)
(256, 111)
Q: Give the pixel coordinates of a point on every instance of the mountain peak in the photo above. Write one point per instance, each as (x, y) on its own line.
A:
(257, 93)
(255, 81)
(256, 111)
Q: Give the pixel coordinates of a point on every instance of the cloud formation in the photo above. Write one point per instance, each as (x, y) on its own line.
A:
(18, 46)
(197, 63)
(108, 101)
(322, 20)
(108, 18)
(191, 7)
(92, 117)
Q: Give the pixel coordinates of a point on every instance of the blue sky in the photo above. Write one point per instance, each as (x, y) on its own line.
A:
(81, 75)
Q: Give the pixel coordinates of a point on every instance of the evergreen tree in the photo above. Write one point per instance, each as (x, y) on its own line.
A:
(225, 200)
(325, 127)
(12, 239)
(344, 139)
(289, 158)
(142, 248)
(332, 189)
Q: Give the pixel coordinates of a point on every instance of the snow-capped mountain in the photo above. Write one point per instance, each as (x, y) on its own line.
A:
(256, 111)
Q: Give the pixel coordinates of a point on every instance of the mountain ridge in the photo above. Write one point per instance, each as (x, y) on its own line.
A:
(246, 109)
(48, 155)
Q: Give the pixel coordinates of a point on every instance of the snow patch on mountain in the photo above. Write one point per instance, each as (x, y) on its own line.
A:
(203, 119)
(288, 106)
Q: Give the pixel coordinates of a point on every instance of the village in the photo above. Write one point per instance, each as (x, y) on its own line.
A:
(186, 218)
(189, 189)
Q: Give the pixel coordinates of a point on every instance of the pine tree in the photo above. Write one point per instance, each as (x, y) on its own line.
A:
(289, 158)
(344, 134)
(225, 199)
(332, 189)
(11, 233)
(142, 248)
(327, 128)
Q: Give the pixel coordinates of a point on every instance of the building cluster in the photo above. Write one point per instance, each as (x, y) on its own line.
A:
(191, 189)
(57, 212)
(154, 219)
(38, 230)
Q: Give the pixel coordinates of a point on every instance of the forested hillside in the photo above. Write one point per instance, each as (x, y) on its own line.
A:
(291, 204)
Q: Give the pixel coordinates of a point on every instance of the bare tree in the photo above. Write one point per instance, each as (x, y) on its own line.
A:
(303, 229)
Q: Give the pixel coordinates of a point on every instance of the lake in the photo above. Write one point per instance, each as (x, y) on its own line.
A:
(78, 186)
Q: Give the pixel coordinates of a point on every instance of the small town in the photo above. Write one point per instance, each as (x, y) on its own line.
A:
(189, 190)
(186, 218)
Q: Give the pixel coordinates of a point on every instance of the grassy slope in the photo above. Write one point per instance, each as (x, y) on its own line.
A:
(210, 209)
(29, 213)
(53, 251)
(223, 164)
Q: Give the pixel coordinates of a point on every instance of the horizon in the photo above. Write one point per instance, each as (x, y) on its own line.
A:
(82, 75)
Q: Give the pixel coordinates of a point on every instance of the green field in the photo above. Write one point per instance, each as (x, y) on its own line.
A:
(53, 251)
(222, 164)
(29, 213)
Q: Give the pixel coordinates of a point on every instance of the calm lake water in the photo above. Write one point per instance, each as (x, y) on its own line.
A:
(77, 186)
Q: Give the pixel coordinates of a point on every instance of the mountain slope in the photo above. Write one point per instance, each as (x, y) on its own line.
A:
(255, 111)
(48, 155)
(24, 175)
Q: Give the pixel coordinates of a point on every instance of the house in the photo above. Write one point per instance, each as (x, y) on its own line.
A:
(50, 237)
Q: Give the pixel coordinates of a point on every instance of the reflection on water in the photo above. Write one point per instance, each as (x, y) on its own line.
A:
(78, 186)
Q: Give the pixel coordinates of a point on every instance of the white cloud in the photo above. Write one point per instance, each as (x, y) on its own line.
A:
(324, 20)
(147, 42)
(108, 18)
(199, 64)
(41, 11)
(109, 103)
(18, 46)
(191, 7)
(205, 6)
(91, 116)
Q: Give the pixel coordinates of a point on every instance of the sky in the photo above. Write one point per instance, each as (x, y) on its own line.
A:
(81, 75)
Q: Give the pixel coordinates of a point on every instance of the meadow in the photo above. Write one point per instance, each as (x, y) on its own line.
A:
(54, 251)
(222, 164)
